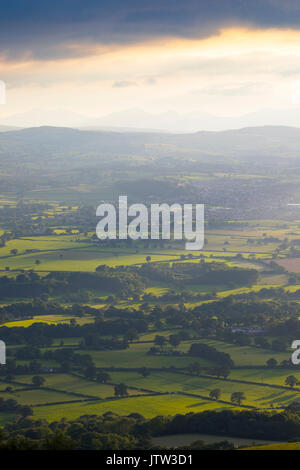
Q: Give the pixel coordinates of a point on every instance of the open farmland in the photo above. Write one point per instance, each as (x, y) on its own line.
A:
(145, 327)
(147, 406)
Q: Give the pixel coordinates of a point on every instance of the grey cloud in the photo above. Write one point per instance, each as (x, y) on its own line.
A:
(45, 28)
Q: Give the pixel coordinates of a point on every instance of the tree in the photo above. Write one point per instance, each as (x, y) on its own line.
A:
(195, 368)
(144, 371)
(65, 366)
(271, 362)
(148, 259)
(241, 339)
(291, 381)
(90, 372)
(261, 342)
(215, 393)
(103, 377)
(37, 262)
(278, 345)
(237, 397)
(121, 390)
(132, 334)
(160, 340)
(26, 411)
(174, 340)
(59, 441)
(37, 380)
(222, 371)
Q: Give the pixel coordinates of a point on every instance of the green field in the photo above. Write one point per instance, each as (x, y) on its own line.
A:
(247, 355)
(280, 446)
(71, 384)
(147, 406)
(172, 393)
(86, 257)
(136, 356)
(37, 397)
(257, 396)
(49, 319)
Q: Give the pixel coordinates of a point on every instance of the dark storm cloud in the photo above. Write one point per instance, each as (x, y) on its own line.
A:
(45, 29)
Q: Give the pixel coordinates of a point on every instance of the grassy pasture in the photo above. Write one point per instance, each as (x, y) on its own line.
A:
(147, 406)
(257, 396)
(136, 356)
(66, 341)
(247, 355)
(86, 256)
(38, 243)
(269, 376)
(150, 335)
(279, 446)
(71, 384)
(50, 319)
(36, 396)
(77, 259)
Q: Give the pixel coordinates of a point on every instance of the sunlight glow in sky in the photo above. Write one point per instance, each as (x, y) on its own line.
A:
(233, 70)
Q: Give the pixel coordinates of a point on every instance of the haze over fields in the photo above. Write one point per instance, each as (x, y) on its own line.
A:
(131, 120)
(119, 339)
(269, 142)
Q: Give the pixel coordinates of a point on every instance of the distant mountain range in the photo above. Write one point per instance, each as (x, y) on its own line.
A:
(138, 120)
(253, 143)
(197, 121)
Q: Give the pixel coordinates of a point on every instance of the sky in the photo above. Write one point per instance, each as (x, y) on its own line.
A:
(86, 59)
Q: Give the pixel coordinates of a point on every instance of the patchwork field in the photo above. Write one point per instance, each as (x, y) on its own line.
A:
(147, 406)
(136, 356)
(162, 390)
(75, 385)
(290, 264)
(256, 396)
(50, 320)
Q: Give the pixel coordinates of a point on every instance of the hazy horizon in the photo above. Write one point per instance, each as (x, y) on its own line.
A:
(196, 66)
(141, 120)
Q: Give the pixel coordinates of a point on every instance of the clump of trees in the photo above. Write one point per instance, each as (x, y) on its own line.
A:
(210, 353)
(120, 390)
(111, 431)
